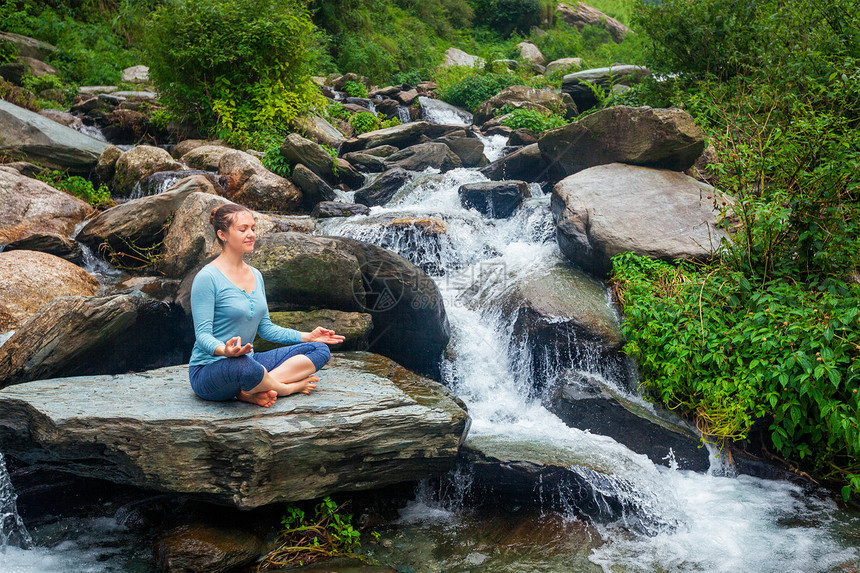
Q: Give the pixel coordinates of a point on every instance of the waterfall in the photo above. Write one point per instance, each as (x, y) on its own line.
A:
(12, 530)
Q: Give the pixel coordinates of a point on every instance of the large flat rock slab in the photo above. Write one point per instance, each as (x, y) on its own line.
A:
(370, 423)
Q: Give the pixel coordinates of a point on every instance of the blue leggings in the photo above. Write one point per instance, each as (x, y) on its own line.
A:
(222, 379)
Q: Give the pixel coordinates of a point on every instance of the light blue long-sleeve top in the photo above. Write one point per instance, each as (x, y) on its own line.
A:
(221, 310)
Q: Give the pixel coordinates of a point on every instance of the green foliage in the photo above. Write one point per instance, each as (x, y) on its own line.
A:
(8, 52)
(275, 162)
(77, 186)
(533, 119)
(355, 89)
(304, 540)
(235, 66)
(19, 96)
(507, 16)
(740, 352)
(467, 87)
(363, 122)
(410, 77)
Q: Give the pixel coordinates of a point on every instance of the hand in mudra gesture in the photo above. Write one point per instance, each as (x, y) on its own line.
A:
(321, 334)
(234, 348)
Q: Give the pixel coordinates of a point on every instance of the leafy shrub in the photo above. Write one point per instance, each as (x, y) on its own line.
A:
(77, 186)
(275, 162)
(533, 119)
(238, 66)
(467, 87)
(508, 16)
(410, 77)
(8, 52)
(19, 96)
(355, 89)
(363, 122)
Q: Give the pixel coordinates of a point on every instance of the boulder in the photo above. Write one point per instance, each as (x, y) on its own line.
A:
(32, 137)
(455, 57)
(439, 112)
(317, 129)
(139, 223)
(56, 245)
(661, 138)
(302, 271)
(470, 150)
(399, 136)
(29, 207)
(206, 157)
(423, 155)
(38, 68)
(13, 72)
(164, 180)
(592, 403)
(300, 151)
(160, 288)
(370, 423)
(29, 47)
(577, 83)
(365, 162)
(581, 15)
(523, 97)
(202, 546)
(563, 63)
(30, 279)
(139, 95)
(496, 199)
(24, 168)
(409, 320)
(347, 174)
(383, 189)
(522, 136)
(382, 151)
(136, 74)
(106, 166)
(313, 187)
(616, 208)
(187, 145)
(531, 53)
(340, 82)
(250, 184)
(526, 163)
(355, 326)
(139, 162)
(327, 209)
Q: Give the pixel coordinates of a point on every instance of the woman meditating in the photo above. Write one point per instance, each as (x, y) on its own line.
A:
(228, 304)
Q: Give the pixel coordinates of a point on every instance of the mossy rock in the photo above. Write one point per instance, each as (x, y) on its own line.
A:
(355, 326)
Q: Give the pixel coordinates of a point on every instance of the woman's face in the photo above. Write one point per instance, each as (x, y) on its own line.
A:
(241, 234)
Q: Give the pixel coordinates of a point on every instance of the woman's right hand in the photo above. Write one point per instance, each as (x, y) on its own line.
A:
(233, 348)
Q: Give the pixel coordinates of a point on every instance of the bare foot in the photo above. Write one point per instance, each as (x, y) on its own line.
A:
(305, 386)
(264, 399)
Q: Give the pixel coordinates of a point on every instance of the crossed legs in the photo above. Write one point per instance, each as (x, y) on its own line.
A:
(293, 375)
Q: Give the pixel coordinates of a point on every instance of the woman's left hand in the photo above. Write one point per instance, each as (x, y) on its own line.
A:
(321, 334)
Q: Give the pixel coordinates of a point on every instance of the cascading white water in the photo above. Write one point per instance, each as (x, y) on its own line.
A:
(12, 530)
(695, 522)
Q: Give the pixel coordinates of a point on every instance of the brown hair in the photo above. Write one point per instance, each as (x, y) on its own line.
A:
(222, 217)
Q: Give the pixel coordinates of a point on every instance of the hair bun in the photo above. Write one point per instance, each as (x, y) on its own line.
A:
(212, 214)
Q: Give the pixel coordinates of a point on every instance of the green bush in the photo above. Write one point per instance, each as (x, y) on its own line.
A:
(532, 119)
(233, 66)
(467, 87)
(363, 122)
(274, 161)
(355, 89)
(508, 16)
(77, 186)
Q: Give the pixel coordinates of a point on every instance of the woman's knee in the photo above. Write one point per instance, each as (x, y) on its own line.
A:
(319, 354)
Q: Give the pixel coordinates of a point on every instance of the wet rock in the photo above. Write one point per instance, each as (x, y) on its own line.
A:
(526, 163)
(563, 63)
(106, 166)
(250, 184)
(530, 53)
(326, 209)
(206, 157)
(399, 136)
(347, 174)
(29, 279)
(29, 136)
(314, 188)
(592, 403)
(370, 424)
(317, 129)
(164, 180)
(30, 207)
(496, 199)
(439, 112)
(365, 162)
(409, 320)
(355, 326)
(383, 188)
(523, 97)
(53, 244)
(470, 150)
(581, 15)
(618, 208)
(298, 150)
(577, 83)
(455, 57)
(423, 155)
(660, 138)
(522, 136)
(139, 162)
(205, 547)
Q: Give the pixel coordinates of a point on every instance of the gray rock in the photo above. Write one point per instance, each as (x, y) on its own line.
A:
(496, 199)
(617, 208)
(52, 244)
(661, 138)
(29, 47)
(370, 423)
(348, 175)
(356, 327)
(298, 150)
(326, 209)
(164, 180)
(399, 136)
(455, 57)
(470, 150)
(139, 162)
(203, 546)
(423, 155)
(526, 163)
(563, 63)
(383, 188)
(522, 136)
(576, 84)
(38, 68)
(314, 188)
(365, 162)
(317, 129)
(29, 136)
(206, 156)
(382, 151)
(581, 15)
(137, 94)
(250, 184)
(523, 97)
(136, 74)
(531, 53)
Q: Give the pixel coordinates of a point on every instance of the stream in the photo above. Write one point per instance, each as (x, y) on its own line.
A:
(693, 522)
